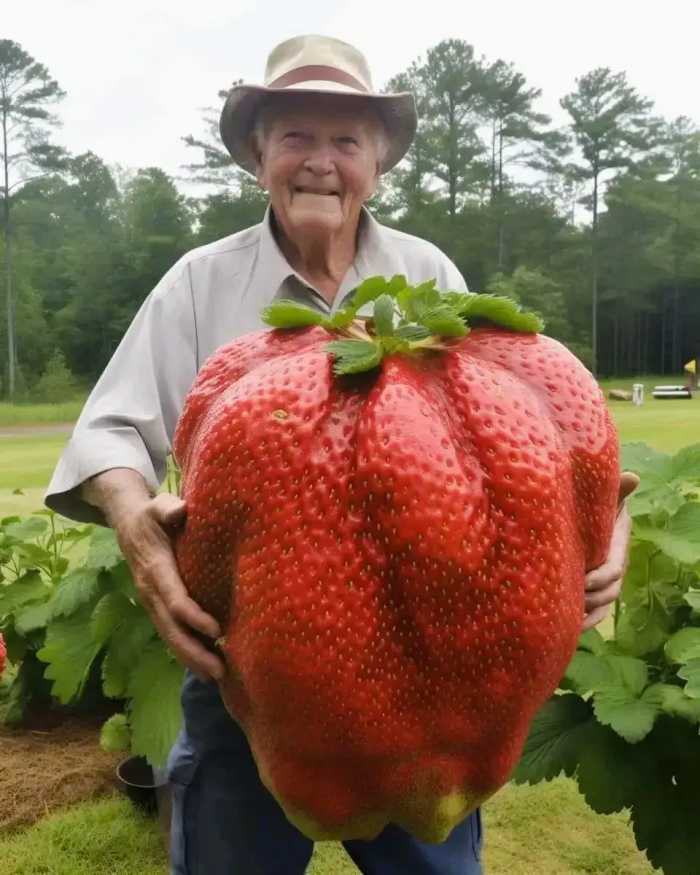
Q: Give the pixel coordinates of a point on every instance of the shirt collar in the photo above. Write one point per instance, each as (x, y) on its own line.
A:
(273, 270)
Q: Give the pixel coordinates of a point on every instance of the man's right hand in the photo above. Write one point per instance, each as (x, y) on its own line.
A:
(144, 525)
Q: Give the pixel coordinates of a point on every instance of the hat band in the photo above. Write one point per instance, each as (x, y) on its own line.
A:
(314, 72)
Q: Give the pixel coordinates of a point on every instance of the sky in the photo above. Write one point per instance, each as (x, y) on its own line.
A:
(139, 72)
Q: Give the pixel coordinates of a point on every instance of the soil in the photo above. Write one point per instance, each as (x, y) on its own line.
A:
(52, 761)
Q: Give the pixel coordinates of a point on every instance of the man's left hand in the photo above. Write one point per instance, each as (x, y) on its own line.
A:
(603, 584)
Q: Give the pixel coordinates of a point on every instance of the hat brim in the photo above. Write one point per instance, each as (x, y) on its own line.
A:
(397, 112)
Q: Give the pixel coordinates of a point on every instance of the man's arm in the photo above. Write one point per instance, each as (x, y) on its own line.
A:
(144, 525)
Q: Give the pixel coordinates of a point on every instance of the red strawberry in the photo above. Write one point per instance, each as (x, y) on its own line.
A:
(3, 654)
(398, 560)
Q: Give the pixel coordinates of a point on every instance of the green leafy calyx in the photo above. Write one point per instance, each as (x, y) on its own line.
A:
(399, 318)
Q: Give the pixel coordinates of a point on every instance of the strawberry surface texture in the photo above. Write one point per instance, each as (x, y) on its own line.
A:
(397, 559)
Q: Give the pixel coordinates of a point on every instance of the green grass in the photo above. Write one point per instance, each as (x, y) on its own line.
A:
(94, 838)
(35, 414)
(547, 829)
(27, 463)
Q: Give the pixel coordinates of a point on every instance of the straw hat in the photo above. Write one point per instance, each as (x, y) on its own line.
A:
(315, 65)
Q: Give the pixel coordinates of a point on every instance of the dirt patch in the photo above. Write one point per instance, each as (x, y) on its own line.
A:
(54, 761)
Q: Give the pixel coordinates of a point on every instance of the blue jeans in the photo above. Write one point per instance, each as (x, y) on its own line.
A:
(226, 822)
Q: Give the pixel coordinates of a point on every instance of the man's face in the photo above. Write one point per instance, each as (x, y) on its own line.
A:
(319, 164)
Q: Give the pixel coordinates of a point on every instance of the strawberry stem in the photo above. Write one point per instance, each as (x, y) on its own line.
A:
(403, 319)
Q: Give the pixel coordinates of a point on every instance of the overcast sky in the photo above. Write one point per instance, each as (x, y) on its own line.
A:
(138, 72)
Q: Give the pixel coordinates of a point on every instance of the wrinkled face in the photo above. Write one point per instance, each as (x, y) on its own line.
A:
(319, 161)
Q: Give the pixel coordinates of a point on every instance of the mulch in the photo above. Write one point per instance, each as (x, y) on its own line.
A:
(53, 761)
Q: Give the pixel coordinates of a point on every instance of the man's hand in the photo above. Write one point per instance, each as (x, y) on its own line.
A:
(603, 584)
(144, 525)
(145, 542)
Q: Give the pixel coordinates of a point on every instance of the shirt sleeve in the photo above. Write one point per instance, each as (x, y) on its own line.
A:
(449, 277)
(129, 418)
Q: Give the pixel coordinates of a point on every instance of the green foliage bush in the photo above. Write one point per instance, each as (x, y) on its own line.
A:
(57, 383)
(626, 720)
(64, 620)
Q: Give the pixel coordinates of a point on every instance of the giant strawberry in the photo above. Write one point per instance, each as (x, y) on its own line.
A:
(393, 531)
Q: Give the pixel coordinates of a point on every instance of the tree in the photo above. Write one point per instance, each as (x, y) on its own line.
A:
(612, 126)
(216, 166)
(26, 92)
(453, 83)
(519, 135)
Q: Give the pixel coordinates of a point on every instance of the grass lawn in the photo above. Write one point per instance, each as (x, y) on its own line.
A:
(547, 830)
(32, 414)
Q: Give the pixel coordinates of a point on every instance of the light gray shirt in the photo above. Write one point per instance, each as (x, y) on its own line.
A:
(212, 295)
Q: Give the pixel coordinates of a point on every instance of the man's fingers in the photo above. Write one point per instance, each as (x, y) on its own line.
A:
(163, 579)
(595, 617)
(599, 598)
(168, 509)
(601, 578)
(188, 612)
(186, 647)
(628, 483)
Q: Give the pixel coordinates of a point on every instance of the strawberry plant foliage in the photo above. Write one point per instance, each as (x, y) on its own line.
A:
(63, 620)
(626, 720)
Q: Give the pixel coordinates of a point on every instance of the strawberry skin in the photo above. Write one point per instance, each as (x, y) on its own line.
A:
(397, 559)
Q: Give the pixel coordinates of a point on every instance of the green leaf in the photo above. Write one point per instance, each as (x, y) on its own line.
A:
(69, 651)
(442, 320)
(609, 770)
(664, 478)
(104, 550)
(498, 310)
(690, 672)
(123, 580)
(681, 539)
(286, 313)
(354, 356)
(126, 646)
(693, 599)
(684, 645)
(112, 609)
(27, 530)
(155, 714)
(33, 555)
(375, 287)
(35, 616)
(25, 589)
(115, 734)
(672, 700)
(76, 589)
(592, 641)
(412, 333)
(588, 671)
(643, 631)
(629, 715)
(557, 734)
(384, 316)
(664, 813)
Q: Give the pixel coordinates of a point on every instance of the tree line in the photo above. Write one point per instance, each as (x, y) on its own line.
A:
(594, 223)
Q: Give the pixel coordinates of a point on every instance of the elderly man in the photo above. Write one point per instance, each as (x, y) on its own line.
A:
(317, 137)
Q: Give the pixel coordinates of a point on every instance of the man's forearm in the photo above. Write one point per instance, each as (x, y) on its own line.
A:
(116, 492)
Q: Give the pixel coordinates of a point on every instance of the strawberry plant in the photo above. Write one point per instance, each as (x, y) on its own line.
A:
(626, 720)
(66, 621)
